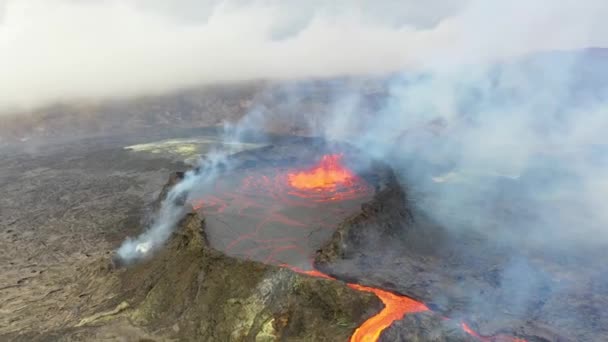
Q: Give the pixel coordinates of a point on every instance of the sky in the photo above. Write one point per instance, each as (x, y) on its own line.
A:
(61, 50)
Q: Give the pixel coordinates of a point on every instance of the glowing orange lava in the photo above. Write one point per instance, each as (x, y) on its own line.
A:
(496, 338)
(327, 174)
(395, 307)
(468, 330)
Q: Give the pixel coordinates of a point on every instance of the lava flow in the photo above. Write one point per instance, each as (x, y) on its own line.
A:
(395, 308)
(326, 175)
(280, 216)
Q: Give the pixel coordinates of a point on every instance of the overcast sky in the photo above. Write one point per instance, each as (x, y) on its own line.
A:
(63, 49)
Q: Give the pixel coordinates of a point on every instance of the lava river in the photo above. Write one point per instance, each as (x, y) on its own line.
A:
(282, 216)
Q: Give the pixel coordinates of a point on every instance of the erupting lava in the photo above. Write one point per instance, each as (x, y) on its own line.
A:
(263, 198)
(326, 175)
(329, 180)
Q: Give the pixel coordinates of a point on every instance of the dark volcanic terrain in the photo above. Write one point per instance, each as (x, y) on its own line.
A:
(492, 286)
(62, 208)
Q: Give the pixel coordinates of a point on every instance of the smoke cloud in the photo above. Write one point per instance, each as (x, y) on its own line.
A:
(172, 209)
(525, 136)
(61, 50)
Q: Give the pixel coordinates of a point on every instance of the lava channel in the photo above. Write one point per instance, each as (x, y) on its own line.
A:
(395, 308)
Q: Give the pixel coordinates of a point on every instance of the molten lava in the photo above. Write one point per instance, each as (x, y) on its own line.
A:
(257, 214)
(496, 338)
(395, 307)
(327, 181)
(328, 174)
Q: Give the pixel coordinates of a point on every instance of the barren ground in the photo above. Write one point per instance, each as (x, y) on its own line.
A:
(63, 206)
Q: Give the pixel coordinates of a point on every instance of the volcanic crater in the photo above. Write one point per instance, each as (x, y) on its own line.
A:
(281, 210)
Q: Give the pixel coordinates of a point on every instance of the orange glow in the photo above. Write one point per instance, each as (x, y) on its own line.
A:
(497, 338)
(395, 307)
(312, 273)
(198, 204)
(470, 331)
(327, 174)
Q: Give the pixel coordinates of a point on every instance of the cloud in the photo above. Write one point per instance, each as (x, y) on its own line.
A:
(68, 49)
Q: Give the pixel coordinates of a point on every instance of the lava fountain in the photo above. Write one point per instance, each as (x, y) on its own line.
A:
(328, 174)
(282, 216)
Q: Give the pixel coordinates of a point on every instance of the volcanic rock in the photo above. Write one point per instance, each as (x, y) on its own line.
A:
(427, 327)
(174, 178)
(209, 296)
(387, 210)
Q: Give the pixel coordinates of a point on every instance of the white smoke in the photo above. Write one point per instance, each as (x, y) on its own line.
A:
(61, 50)
(172, 210)
(526, 136)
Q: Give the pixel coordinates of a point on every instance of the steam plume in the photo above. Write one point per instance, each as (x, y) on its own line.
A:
(172, 210)
(527, 133)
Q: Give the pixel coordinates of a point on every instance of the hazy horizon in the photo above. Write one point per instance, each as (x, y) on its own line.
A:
(63, 50)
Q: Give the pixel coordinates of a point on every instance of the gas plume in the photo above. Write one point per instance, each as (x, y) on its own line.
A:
(172, 209)
(525, 135)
